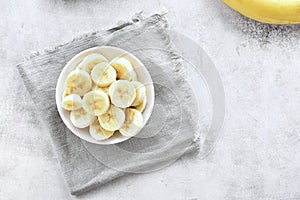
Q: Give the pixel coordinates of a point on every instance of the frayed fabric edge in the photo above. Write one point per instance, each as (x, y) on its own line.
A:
(137, 17)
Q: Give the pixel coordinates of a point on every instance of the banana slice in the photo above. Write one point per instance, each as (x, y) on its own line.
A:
(140, 93)
(79, 66)
(91, 60)
(81, 119)
(141, 107)
(133, 122)
(78, 82)
(123, 68)
(71, 102)
(113, 119)
(96, 102)
(134, 76)
(94, 86)
(99, 133)
(64, 95)
(104, 89)
(122, 93)
(103, 74)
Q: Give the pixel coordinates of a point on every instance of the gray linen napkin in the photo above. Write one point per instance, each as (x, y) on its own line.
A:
(169, 133)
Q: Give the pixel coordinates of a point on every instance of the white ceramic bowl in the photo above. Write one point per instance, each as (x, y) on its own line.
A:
(109, 52)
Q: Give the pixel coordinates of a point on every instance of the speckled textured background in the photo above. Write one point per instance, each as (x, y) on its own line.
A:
(258, 155)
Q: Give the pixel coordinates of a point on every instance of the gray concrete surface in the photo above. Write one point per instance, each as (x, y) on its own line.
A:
(258, 155)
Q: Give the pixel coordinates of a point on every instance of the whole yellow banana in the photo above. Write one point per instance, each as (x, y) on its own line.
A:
(268, 11)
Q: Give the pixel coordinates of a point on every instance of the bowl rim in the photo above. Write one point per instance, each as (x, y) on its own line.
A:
(58, 96)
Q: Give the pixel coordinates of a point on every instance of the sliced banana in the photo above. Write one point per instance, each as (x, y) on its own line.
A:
(123, 68)
(96, 102)
(133, 122)
(81, 119)
(65, 94)
(71, 102)
(113, 119)
(134, 76)
(99, 133)
(91, 60)
(79, 66)
(103, 74)
(78, 82)
(94, 86)
(108, 90)
(104, 89)
(122, 93)
(140, 92)
(141, 107)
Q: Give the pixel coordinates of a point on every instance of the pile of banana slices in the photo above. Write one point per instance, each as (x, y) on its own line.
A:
(105, 96)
